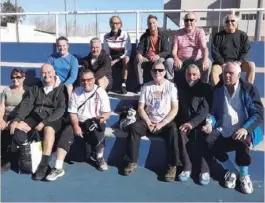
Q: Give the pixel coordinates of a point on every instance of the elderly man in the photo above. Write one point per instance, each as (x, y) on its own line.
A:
(195, 99)
(236, 118)
(189, 47)
(89, 109)
(231, 45)
(117, 44)
(158, 106)
(99, 62)
(42, 109)
(64, 63)
(153, 46)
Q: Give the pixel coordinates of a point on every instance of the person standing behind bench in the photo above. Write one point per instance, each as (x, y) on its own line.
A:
(64, 63)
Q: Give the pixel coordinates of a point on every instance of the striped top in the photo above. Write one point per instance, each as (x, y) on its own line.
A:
(117, 46)
(190, 45)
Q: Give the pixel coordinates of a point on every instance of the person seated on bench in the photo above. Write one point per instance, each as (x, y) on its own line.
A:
(117, 44)
(42, 109)
(157, 108)
(153, 46)
(231, 45)
(64, 63)
(189, 47)
(237, 116)
(89, 109)
(9, 101)
(99, 62)
(195, 98)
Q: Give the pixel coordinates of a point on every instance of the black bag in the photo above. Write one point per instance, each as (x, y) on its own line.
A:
(25, 161)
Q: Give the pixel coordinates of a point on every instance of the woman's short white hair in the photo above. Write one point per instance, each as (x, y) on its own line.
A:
(234, 64)
(229, 15)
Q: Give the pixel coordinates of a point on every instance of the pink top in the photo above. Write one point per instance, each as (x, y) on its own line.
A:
(190, 45)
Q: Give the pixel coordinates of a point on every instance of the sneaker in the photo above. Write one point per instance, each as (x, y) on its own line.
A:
(204, 178)
(5, 166)
(230, 180)
(41, 172)
(130, 168)
(123, 88)
(246, 184)
(54, 174)
(171, 173)
(184, 176)
(102, 165)
(93, 156)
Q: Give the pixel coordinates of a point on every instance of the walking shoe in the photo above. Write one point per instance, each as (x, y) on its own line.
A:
(130, 168)
(171, 173)
(184, 176)
(93, 156)
(230, 179)
(123, 88)
(41, 172)
(246, 184)
(204, 178)
(54, 174)
(102, 165)
(5, 166)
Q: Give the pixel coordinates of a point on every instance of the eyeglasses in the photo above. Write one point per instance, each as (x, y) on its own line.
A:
(188, 20)
(232, 21)
(157, 70)
(116, 23)
(87, 80)
(16, 77)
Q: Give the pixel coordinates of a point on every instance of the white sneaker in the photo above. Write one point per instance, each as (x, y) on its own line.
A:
(54, 174)
(230, 180)
(246, 184)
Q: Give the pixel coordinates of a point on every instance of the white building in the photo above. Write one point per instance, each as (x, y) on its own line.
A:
(211, 20)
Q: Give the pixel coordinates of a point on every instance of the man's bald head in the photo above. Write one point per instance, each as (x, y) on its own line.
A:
(48, 74)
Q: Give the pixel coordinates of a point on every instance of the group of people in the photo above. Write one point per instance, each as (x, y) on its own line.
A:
(178, 104)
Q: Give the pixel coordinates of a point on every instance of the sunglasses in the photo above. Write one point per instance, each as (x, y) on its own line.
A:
(116, 23)
(157, 70)
(87, 80)
(232, 21)
(188, 20)
(16, 77)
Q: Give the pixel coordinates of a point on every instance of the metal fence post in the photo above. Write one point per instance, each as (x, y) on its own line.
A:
(57, 25)
(137, 27)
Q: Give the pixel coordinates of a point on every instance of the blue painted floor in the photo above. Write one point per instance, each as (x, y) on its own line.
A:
(83, 183)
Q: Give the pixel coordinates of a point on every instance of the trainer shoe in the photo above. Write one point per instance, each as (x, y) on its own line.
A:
(204, 178)
(171, 173)
(230, 180)
(5, 166)
(54, 174)
(246, 184)
(123, 88)
(41, 172)
(130, 168)
(102, 165)
(184, 176)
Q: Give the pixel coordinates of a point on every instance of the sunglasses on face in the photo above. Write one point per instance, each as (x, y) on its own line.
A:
(232, 21)
(87, 80)
(15, 77)
(188, 20)
(157, 70)
(116, 23)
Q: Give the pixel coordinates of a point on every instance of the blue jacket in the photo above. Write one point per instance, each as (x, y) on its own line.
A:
(253, 110)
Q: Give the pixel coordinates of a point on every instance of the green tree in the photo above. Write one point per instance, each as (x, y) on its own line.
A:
(8, 7)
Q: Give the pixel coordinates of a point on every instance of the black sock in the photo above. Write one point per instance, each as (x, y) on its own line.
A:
(124, 81)
(45, 159)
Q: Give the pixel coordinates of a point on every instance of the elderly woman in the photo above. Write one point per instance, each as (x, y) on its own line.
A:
(9, 99)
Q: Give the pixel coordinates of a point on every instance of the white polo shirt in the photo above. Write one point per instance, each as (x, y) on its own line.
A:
(94, 107)
(234, 114)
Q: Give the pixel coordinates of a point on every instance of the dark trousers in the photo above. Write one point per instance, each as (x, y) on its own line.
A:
(168, 132)
(6, 140)
(192, 145)
(220, 145)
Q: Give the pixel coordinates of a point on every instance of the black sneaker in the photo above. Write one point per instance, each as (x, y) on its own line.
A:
(5, 166)
(101, 164)
(123, 89)
(41, 172)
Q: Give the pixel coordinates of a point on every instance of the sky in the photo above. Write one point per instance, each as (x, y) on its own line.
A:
(129, 20)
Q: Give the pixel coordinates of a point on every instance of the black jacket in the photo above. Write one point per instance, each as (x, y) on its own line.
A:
(163, 44)
(194, 103)
(102, 66)
(47, 108)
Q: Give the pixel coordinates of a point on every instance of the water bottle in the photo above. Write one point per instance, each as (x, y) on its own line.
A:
(209, 120)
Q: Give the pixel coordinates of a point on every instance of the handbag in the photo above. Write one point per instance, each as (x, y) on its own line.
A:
(30, 154)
